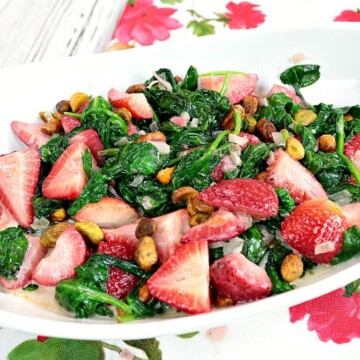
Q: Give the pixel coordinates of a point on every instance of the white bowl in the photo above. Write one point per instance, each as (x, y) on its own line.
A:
(28, 89)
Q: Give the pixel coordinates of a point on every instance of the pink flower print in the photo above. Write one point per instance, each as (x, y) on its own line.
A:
(144, 23)
(333, 316)
(244, 15)
(348, 15)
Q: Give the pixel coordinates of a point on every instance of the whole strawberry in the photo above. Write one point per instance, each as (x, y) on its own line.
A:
(314, 229)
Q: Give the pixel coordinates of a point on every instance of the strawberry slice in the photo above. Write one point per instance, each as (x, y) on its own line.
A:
(136, 103)
(92, 140)
(169, 230)
(282, 89)
(108, 213)
(222, 225)
(236, 277)
(6, 218)
(314, 229)
(352, 151)
(352, 213)
(69, 123)
(285, 172)
(30, 134)
(83, 106)
(69, 252)
(239, 86)
(183, 281)
(19, 173)
(34, 253)
(67, 178)
(179, 121)
(250, 196)
(120, 283)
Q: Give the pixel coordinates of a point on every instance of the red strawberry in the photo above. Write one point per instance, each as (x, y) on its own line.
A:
(83, 106)
(352, 150)
(30, 134)
(132, 129)
(314, 229)
(91, 139)
(34, 253)
(69, 252)
(123, 247)
(179, 121)
(225, 165)
(108, 213)
(120, 283)
(19, 173)
(169, 230)
(6, 218)
(67, 178)
(69, 123)
(352, 213)
(222, 225)
(251, 139)
(285, 172)
(183, 281)
(238, 278)
(282, 89)
(136, 103)
(250, 196)
(239, 86)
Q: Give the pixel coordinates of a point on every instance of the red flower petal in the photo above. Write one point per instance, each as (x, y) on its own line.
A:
(145, 23)
(348, 15)
(244, 15)
(333, 316)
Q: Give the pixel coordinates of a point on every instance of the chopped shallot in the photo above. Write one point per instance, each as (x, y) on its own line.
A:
(162, 146)
(240, 140)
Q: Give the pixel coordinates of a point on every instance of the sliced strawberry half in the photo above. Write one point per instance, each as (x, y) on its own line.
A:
(92, 140)
(222, 225)
(352, 214)
(69, 123)
(136, 103)
(34, 253)
(285, 172)
(30, 134)
(314, 229)
(239, 86)
(169, 230)
(120, 283)
(67, 178)
(108, 213)
(183, 281)
(236, 277)
(19, 173)
(352, 151)
(6, 218)
(69, 252)
(250, 196)
(282, 89)
(120, 242)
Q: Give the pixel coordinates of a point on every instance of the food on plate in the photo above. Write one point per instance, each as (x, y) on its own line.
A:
(177, 193)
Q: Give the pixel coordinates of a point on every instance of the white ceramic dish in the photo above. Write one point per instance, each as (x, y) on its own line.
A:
(26, 90)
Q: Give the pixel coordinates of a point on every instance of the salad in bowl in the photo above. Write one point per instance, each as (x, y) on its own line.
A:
(180, 194)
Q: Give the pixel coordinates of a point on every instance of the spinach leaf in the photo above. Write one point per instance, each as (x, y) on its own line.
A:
(350, 245)
(325, 122)
(253, 160)
(190, 80)
(300, 76)
(53, 149)
(45, 207)
(307, 138)
(216, 254)
(206, 105)
(276, 256)
(254, 247)
(13, 245)
(352, 288)
(133, 158)
(286, 202)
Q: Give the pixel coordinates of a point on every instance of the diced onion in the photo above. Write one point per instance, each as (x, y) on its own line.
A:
(236, 148)
(113, 191)
(146, 204)
(297, 58)
(324, 247)
(341, 198)
(162, 146)
(165, 84)
(194, 122)
(240, 140)
(154, 126)
(48, 116)
(123, 140)
(233, 246)
(40, 224)
(278, 138)
(267, 236)
(235, 158)
(142, 132)
(185, 115)
(137, 180)
(152, 84)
